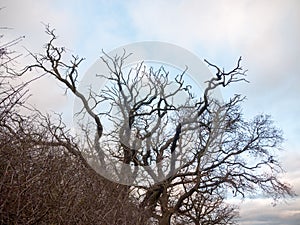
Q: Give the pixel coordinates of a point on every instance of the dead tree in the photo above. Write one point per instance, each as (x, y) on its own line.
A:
(224, 154)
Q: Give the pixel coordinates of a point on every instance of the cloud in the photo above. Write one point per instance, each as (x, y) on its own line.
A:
(260, 211)
(291, 164)
(264, 33)
(26, 18)
(83, 28)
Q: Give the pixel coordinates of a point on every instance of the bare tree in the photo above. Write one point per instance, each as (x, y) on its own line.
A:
(43, 177)
(203, 150)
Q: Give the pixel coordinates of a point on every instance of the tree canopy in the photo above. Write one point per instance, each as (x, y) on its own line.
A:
(180, 160)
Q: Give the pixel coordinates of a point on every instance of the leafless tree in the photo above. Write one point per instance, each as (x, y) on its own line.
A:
(43, 177)
(203, 148)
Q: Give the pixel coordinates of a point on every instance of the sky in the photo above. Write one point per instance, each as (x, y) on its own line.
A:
(265, 33)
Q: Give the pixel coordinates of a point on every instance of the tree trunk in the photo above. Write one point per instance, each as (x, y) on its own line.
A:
(165, 219)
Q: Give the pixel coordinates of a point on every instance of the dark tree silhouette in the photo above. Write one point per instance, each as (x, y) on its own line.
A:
(211, 151)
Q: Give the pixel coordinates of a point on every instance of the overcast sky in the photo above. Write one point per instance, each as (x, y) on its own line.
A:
(265, 33)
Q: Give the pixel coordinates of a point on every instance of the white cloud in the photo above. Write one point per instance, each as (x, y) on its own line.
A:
(261, 211)
(26, 18)
(76, 32)
(260, 31)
